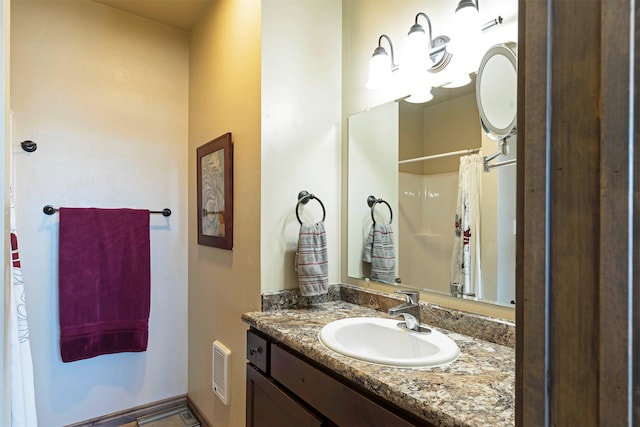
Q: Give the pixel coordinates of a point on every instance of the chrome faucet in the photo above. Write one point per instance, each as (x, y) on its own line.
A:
(457, 290)
(411, 307)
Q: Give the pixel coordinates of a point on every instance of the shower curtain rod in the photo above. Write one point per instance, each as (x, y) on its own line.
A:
(437, 156)
(50, 210)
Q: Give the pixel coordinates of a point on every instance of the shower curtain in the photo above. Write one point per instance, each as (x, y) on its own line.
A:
(465, 261)
(23, 401)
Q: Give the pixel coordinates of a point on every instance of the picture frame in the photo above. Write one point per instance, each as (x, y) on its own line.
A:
(215, 192)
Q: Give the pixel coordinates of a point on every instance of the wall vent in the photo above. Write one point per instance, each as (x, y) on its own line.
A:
(220, 371)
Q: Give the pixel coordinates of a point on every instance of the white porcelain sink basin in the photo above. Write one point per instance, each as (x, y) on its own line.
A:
(381, 341)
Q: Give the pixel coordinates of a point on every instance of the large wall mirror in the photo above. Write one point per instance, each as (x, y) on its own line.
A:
(409, 156)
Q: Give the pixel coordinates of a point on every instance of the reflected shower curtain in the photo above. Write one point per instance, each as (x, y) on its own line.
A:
(466, 273)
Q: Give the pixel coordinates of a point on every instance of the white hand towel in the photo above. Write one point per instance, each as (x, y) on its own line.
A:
(311, 260)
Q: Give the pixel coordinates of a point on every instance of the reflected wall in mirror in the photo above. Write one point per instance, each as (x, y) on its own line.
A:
(373, 171)
(386, 147)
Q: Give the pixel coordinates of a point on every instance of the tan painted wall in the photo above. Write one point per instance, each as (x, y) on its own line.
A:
(225, 97)
(450, 126)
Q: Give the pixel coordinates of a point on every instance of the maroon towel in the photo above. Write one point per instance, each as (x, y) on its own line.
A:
(103, 281)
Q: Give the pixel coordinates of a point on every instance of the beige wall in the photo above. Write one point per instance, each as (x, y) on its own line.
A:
(301, 93)
(282, 104)
(104, 94)
(224, 96)
(450, 126)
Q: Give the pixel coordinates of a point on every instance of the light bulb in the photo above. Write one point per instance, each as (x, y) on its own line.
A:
(415, 58)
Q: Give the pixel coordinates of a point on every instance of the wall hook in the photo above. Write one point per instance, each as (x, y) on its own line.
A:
(29, 146)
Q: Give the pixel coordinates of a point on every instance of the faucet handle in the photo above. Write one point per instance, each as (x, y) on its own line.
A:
(410, 322)
(413, 297)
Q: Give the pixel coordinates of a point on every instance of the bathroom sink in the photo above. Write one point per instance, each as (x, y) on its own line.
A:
(382, 341)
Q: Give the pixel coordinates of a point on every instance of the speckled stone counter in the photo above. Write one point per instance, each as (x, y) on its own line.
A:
(475, 390)
(490, 329)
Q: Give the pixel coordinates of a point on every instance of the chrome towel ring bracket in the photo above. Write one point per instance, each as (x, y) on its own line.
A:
(304, 197)
(29, 146)
(372, 201)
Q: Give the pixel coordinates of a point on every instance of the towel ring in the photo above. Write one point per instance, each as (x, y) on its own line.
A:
(304, 197)
(372, 202)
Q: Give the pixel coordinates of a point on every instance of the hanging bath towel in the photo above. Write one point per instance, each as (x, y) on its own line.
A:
(379, 250)
(104, 281)
(465, 261)
(311, 260)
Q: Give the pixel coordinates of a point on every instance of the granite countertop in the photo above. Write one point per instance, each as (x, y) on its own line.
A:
(475, 390)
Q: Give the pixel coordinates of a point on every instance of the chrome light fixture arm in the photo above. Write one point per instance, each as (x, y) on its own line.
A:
(381, 50)
(417, 27)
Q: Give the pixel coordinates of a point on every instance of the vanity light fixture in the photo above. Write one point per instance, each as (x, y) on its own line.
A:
(465, 40)
(417, 47)
(468, 7)
(381, 66)
(466, 25)
(465, 44)
(425, 55)
(422, 52)
(420, 96)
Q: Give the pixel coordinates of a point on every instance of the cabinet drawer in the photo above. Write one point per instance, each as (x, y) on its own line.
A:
(335, 400)
(258, 351)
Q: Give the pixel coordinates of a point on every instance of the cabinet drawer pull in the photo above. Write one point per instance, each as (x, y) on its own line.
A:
(254, 350)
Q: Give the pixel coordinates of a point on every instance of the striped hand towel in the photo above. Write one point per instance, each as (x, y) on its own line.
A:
(311, 260)
(379, 250)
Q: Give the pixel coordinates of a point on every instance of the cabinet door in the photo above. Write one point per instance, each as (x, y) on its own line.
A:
(338, 402)
(269, 406)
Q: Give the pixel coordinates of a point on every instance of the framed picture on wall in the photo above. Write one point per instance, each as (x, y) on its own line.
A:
(215, 192)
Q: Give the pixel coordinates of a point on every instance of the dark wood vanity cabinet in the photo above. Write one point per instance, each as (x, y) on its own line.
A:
(270, 406)
(286, 389)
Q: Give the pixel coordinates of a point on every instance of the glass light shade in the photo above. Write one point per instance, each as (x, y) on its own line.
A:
(458, 72)
(466, 30)
(458, 81)
(415, 57)
(419, 86)
(379, 71)
(420, 96)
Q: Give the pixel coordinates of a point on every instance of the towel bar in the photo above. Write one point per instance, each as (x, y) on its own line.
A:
(50, 210)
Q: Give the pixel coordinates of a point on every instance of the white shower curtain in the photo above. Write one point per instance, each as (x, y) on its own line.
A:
(23, 401)
(465, 261)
